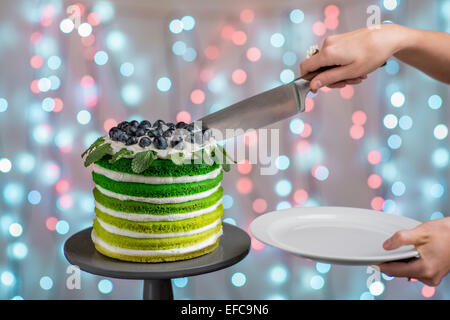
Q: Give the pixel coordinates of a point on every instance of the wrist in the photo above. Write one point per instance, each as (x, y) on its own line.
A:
(404, 38)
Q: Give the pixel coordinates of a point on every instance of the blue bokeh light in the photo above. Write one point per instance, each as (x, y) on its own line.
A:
(188, 22)
(289, 58)
(3, 105)
(283, 188)
(278, 274)
(127, 69)
(176, 26)
(323, 267)
(105, 286)
(405, 122)
(180, 282)
(317, 282)
(101, 58)
(164, 84)
(179, 48)
(34, 197)
(435, 102)
(115, 40)
(440, 157)
(398, 188)
(54, 62)
(296, 16)
(398, 99)
(13, 193)
(392, 67)
(296, 126)
(394, 141)
(46, 283)
(227, 201)
(282, 162)
(283, 205)
(131, 94)
(238, 279)
(277, 40)
(440, 131)
(287, 75)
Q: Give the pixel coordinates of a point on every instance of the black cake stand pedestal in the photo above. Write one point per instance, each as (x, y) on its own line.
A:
(233, 247)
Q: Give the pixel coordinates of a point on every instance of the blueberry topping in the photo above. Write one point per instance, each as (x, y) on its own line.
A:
(158, 123)
(197, 137)
(167, 133)
(176, 142)
(131, 140)
(190, 127)
(170, 125)
(160, 142)
(145, 142)
(114, 133)
(131, 130)
(134, 123)
(123, 125)
(181, 125)
(140, 132)
(145, 124)
(122, 136)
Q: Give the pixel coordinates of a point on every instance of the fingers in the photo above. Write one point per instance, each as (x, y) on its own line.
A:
(402, 238)
(313, 63)
(411, 269)
(333, 76)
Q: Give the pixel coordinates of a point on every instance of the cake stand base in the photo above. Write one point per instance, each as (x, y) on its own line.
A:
(233, 247)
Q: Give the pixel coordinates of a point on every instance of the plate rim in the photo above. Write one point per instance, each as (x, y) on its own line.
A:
(332, 259)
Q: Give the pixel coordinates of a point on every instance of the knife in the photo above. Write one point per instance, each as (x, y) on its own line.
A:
(263, 109)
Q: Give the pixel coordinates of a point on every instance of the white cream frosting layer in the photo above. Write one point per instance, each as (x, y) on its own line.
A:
(141, 235)
(179, 199)
(132, 252)
(146, 217)
(126, 177)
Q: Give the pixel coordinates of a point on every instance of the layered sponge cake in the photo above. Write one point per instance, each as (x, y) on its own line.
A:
(160, 201)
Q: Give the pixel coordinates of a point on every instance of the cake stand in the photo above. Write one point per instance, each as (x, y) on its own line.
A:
(233, 247)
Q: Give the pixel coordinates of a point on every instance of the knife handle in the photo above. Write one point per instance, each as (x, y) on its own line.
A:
(310, 75)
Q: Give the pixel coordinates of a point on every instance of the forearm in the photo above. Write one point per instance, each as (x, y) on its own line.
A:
(428, 51)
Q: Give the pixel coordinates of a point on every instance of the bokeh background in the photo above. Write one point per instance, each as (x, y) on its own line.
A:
(381, 145)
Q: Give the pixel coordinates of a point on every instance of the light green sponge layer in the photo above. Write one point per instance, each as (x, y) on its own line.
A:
(157, 258)
(162, 226)
(159, 167)
(155, 243)
(131, 206)
(155, 190)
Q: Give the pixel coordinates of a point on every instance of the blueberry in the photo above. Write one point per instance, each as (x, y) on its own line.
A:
(140, 132)
(155, 132)
(123, 137)
(134, 123)
(170, 125)
(113, 133)
(145, 142)
(131, 141)
(131, 130)
(160, 142)
(145, 124)
(190, 127)
(158, 123)
(197, 137)
(181, 125)
(123, 125)
(167, 133)
(177, 142)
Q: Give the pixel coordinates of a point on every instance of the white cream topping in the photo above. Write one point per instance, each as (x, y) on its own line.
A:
(141, 235)
(126, 177)
(187, 150)
(146, 217)
(179, 199)
(132, 252)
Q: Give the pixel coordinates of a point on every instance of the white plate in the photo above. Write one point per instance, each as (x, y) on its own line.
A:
(336, 235)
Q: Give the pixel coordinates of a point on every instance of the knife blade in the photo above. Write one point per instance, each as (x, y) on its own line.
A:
(262, 109)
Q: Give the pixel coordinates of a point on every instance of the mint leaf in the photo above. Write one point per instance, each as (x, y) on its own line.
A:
(97, 143)
(222, 150)
(142, 161)
(207, 158)
(226, 167)
(177, 158)
(98, 153)
(120, 154)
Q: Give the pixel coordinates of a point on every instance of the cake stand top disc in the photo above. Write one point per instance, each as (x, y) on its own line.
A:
(234, 245)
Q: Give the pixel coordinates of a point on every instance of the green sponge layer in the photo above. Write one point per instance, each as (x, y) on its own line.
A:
(131, 206)
(155, 190)
(157, 258)
(155, 243)
(162, 226)
(158, 168)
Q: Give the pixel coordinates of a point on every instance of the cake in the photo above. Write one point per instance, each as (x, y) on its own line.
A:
(158, 194)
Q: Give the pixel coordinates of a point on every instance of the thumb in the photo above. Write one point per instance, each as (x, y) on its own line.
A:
(402, 238)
